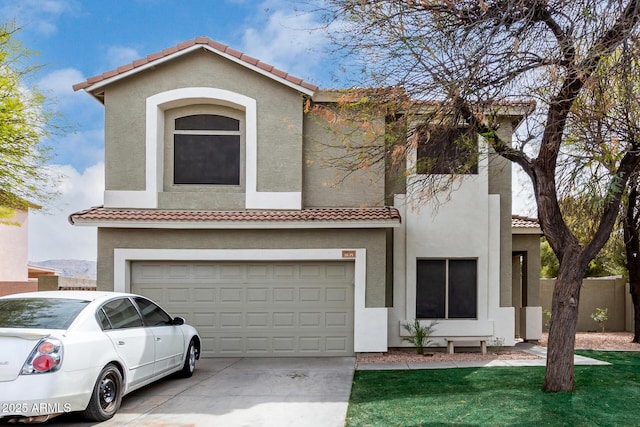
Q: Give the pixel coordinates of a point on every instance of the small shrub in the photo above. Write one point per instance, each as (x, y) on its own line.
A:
(496, 344)
(546, 314)
(600, 316)
(419, 334)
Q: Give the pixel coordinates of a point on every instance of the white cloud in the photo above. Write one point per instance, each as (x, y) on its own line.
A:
(39, 15)
(121, 55)
(58, 85)
(287, 42)
(51, 236)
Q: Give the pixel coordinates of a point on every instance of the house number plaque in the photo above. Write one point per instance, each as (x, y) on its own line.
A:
(348, 254)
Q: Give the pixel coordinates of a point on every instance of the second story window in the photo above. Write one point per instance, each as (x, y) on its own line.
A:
(206, 150)
(446, 150)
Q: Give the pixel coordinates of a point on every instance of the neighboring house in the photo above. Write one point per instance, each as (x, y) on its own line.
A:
(16, 275)
(217, 206)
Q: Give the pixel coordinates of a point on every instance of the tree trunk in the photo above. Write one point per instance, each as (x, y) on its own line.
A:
(562, 333)
(632, 247)
(635, 297)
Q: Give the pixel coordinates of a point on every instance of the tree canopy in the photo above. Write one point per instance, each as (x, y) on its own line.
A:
(467, 56)
(25, 123)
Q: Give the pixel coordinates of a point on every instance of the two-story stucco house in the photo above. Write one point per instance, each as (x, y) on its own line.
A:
(217, 206)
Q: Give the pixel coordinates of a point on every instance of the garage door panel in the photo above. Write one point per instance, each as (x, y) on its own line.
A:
(258, 320)
(336, 320)
(336, 344)
(310, 295)
(258, 295)
(283, 295)
(204, 295)
(283, 271)
(283, 320)
(257, 309)
(310, 320)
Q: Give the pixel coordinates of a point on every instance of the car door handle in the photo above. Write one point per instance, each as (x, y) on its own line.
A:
(158, 339)
(121, 343)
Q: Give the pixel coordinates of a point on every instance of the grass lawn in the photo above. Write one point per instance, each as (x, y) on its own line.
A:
(500, 396)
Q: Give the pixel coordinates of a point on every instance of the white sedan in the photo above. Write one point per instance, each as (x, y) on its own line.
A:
(65, 351)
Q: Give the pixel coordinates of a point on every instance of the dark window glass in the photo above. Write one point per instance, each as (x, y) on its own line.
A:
(39, 313)
(446, 150)
(207, 122)
(206, 159)
(206, 150)
(446, 289)
(430, 289)
(102, 318)
(152, 314)
(462, 289)
(122, 314)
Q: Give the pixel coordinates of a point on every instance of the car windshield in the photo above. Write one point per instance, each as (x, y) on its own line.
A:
(39, 313)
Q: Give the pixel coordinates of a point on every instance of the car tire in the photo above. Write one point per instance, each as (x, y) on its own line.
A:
(107, 395)
(189, 361)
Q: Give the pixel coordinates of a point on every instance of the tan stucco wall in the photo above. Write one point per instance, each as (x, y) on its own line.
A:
(530, 243)
(325, 183)
(500, 183)
(279, 119)
(609, 293)
(374, 241)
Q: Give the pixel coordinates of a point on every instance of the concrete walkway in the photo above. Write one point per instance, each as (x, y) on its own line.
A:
(525, 347)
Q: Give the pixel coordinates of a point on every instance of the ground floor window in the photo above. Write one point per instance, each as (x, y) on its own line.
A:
(446, 289)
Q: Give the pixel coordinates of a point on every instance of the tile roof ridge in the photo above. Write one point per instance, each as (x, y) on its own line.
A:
(202, 41)
(524, 218)
(309, 214)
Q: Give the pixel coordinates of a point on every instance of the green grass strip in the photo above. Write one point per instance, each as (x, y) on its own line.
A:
(499, 396)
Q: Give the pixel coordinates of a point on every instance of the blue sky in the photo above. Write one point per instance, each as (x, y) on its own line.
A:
(77, 39)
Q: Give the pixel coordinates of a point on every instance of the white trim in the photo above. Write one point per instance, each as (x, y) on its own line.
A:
(171, 57)
(238, 225)
(370, 324)
(154, 150)
(271, 200)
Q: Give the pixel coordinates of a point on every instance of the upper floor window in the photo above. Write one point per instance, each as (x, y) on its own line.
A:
(446, 150)
(206, 150)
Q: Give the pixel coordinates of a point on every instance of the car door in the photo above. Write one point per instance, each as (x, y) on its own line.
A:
(133, 342)
(169, 342)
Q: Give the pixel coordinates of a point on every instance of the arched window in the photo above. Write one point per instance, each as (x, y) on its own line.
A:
(206, 150)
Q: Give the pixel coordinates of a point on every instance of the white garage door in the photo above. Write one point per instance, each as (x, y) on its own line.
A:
(257, 309)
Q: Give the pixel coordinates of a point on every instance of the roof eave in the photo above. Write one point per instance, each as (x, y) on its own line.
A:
(93, 88)
(243, 225)
(527, 230)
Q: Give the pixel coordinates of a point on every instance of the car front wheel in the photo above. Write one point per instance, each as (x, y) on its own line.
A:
(107, 395)
(190, 361)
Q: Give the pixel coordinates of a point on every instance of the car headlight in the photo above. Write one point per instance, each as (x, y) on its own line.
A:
(45, 357)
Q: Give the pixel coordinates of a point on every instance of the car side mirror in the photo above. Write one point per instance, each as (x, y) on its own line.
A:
(178, 321)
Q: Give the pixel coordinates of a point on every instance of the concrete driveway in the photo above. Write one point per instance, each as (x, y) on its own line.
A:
(241, 392)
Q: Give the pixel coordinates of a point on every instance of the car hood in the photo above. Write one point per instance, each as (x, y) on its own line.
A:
(16, 345)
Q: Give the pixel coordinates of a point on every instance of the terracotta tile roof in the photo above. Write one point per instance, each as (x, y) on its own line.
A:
(205, 42)
(518, 221)
(101, 214)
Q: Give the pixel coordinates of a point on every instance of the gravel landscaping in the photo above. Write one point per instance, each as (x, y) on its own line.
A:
(590, 341)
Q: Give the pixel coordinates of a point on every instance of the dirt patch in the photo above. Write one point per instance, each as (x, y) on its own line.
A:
(601, 341)
(591, 340)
